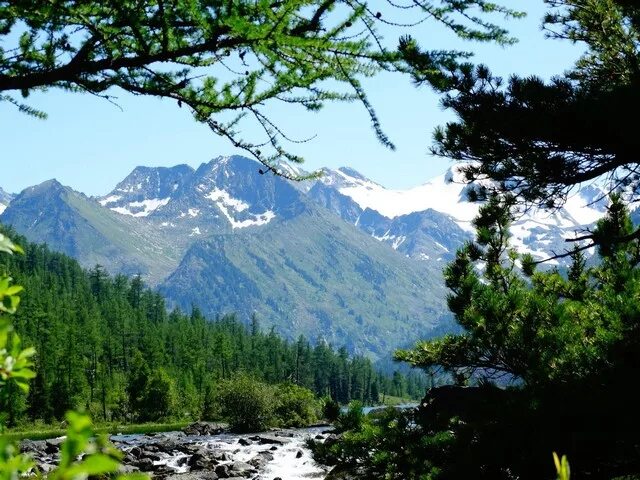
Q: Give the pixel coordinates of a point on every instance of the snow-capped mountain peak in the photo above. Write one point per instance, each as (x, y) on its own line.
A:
(535, 231)
(146, 189)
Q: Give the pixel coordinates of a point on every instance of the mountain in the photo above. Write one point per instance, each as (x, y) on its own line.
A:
(430, 221)
(423, 235)
(5, 198)
(226, 238)
(145, 189)
(77, 225)
(340, 257)
(313, 274)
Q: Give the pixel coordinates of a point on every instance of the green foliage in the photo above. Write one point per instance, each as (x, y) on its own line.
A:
(247, 404)
(561, 345)
(539, 139)
(82, 454)
(351, 419)
(159, 397)
(295, 406)
(549, 329)
(330, 409)
(98, 456)
(97, 337)
(12, 462)
(562, 467)
(216, 57)
(384, 446)
(251, 406)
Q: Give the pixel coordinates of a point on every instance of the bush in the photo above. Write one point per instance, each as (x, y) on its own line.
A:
(295, 406)
(247, 404)
(330, 409)
(351, 419)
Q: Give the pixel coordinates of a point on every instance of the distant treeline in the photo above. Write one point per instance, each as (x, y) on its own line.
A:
(107, 344)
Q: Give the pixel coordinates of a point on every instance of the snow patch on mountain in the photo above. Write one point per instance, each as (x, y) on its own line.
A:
(108, 200)
(534, 231)
(437, 194)
(3, 207)
(227, 205)
(142, 208)
(221, 197)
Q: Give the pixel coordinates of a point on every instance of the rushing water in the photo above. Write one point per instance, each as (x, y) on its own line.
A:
(291, 461)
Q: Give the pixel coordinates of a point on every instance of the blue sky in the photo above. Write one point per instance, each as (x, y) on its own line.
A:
(90, 145)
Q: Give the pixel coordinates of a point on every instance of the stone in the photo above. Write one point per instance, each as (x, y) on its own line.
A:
(53, 445)
(241, 467)
(136, 452)
(151, 455)
(222, 471)
(205, 428)
(144, 464)
(272, 439)
(199, 461)
(163, 471)
(193, 476)
(299, 454)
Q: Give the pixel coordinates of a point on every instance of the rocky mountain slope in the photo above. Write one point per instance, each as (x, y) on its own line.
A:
(340, 258)
(226, 238)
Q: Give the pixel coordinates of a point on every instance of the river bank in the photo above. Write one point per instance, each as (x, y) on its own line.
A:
(208, 454)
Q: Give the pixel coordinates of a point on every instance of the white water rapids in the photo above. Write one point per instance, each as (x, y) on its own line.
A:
(291, 461)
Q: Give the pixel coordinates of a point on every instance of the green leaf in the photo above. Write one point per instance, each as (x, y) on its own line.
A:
(95, 464)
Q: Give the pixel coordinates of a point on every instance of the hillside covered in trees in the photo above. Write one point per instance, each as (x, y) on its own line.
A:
(109, 345)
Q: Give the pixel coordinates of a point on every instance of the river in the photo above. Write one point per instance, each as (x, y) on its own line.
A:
(285, 451)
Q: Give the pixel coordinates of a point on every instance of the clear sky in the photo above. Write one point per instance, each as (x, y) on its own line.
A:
(90, 145)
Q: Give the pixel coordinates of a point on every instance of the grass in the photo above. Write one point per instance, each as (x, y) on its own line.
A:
(35, 433)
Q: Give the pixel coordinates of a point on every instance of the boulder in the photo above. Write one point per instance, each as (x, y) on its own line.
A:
(199, 461)
(205, 428)
(271, 440)
(163, 471)
(53, 445)
(46, 468)
(136, 452)
(153, 456)
(144, 464)
(241, 468)
(222, 471)
(125, 469)
(193, 476)
(29, 446)
(222, 456)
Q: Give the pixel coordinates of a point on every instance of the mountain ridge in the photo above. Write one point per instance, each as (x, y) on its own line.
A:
(227, 238)
(318, 257)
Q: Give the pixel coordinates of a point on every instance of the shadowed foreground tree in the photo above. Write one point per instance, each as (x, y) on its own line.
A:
(544, 362)
(217, 56)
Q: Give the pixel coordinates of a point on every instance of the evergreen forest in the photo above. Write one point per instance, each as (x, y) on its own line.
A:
(109, 346)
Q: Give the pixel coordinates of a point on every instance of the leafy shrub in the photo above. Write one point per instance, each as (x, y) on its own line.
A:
(351, 419)
(247, 404)
(330, 409)
(296, 406)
